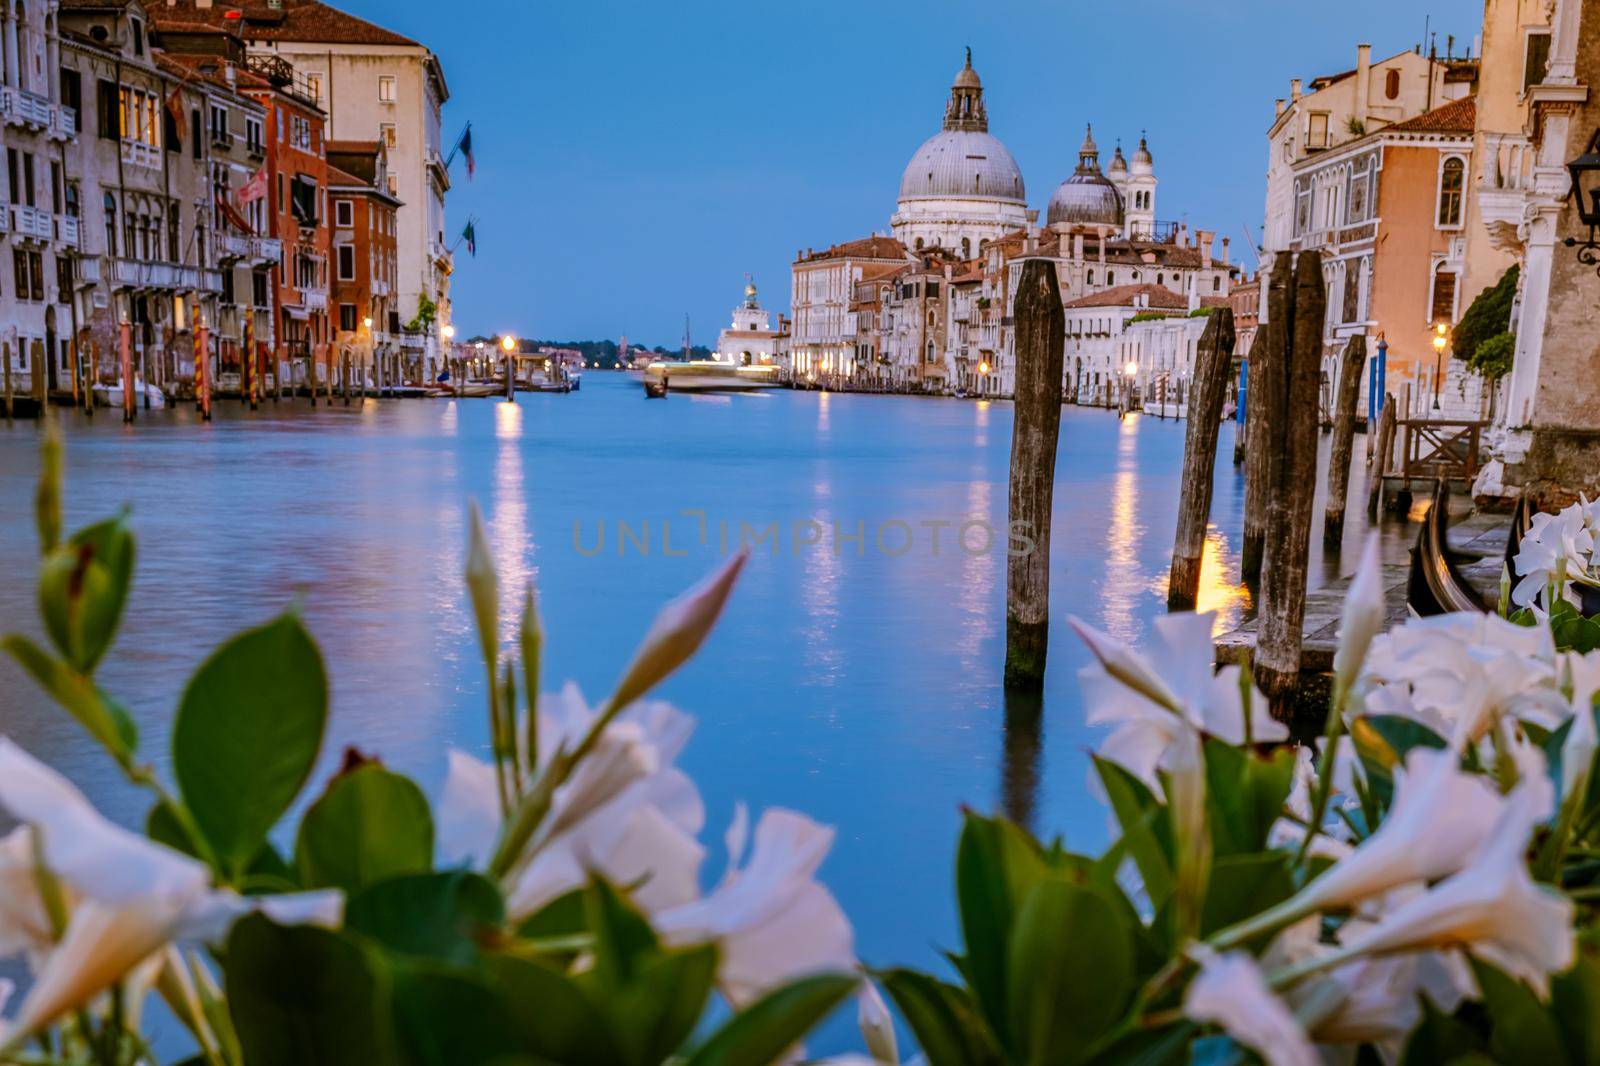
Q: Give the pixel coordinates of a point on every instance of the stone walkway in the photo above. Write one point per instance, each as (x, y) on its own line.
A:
(1479, 534)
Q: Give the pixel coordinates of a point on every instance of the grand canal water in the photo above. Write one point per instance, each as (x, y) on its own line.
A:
(859, 683)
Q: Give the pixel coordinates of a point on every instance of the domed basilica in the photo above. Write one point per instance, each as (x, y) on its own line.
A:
(963, 187)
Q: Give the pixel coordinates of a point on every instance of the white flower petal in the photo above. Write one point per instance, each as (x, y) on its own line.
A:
(1230, 991)
(468, 815)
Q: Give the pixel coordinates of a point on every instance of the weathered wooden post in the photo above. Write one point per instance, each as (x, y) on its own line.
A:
(1266, 355)
(1041, 347)
(511, 378)
(202, 363)
(1379, 468)
(125, 347)
(1351, 368)
(1292, 478)
(344, 376)
(1213, 364)
(5, 348)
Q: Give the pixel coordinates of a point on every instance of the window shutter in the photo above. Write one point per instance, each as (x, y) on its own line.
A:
(109, 119)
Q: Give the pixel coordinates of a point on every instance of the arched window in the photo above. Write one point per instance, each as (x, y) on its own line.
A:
(1111, 277)
(966, 247)
(919, 244)
(1161, 279)
(1091, 277)
(1216, 284)
(1391, 84)
(1444, 295)
(1452, 178)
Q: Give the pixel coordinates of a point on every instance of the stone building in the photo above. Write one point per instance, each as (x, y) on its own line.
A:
(823, 340)
(372, 84)
(1547, 434)
(37, 218)
(1094, 371)
(749, 339)
(365, 314)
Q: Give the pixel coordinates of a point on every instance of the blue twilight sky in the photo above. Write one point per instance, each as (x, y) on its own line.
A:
(636, 158)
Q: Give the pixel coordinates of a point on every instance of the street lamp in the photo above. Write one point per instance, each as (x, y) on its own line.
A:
(1441, 341)
(449, 332)
(1585, 172)
(508, 344)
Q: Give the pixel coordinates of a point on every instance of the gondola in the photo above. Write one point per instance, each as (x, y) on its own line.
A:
(1436, 586)
(655, 390)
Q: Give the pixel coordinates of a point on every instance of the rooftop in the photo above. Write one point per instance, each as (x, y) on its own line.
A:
(873, 247)
(1458, 116)
(275, 20)
(1156, 297)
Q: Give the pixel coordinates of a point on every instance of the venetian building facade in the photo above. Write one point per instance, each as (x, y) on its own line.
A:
(962, 187)
(749, 340)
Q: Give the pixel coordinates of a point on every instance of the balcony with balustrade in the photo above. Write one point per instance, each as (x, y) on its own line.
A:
(5, 218)
(31, 222)
(18, 107)
(67, 230)
(1505, 179)
(314, 299)
(140, 154)
(154, 274)
(236, 247)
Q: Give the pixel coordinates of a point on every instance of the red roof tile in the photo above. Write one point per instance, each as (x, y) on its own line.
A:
(1157, 298)
(866, 248)
(1458, 116)
(292, 20)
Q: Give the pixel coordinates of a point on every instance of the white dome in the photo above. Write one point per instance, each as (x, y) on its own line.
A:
(963, 165)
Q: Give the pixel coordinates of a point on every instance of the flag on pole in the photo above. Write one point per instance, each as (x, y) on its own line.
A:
(470, 235)
(175, 108)
(254, 189)
(466, 150)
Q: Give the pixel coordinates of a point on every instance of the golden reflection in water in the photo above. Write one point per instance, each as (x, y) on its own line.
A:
(980, 438)
(447, 421)
(508, 528)
(507, 420)
(819, 591)
(822, 411)
(978, 570)
(1216, 592)
(1123, 583)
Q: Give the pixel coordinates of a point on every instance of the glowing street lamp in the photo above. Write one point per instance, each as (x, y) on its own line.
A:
(508, 344)
(1441, 341)
(1131, 369)
(449, 332)
(983, 367)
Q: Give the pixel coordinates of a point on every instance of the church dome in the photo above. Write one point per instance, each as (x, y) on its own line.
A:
(1143, 163)
(962, 164)
(1119, 165)
(1087, 197)
(963, 161)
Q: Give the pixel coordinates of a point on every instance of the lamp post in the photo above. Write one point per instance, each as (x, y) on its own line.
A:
(508, 344)
(1585, 173)
(1441, 341)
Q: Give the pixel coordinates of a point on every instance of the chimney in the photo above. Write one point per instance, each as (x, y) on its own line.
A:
(1204, 237)
(1363, 81)
(1277, 106)
(1294, 90)
(1225, 242)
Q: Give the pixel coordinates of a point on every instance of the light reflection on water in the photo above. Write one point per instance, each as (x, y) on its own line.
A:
(863, 689)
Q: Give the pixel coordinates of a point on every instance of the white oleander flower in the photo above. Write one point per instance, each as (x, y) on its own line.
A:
(1459, 674)
(1439, 820)
(772, 921)
(1492, 908)
(1554, 543)
(1229, 991)
(1362, 618)
(125, 897)
(1147, 700)
(877, 1025)
(626, 812)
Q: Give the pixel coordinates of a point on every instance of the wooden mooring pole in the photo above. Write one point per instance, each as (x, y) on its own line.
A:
(1040, 344)
(1269, 350)
(1291, 443)
(1351, 368)
(1213, 365)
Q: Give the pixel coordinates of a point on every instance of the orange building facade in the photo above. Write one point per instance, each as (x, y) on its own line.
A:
(365, 315)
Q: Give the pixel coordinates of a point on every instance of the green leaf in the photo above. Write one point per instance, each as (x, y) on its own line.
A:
(1071, 972)
(657, 1013)
(304, 996)
(445, 1017)
(1581, 635)
(943, 1018)
(623, 938)
(370, 825)
(763, 1031)
(1398, 736)
(104, 719)
(443, 916)
(997, 865)
(1575, 1001)
(1169, 1046)
(83, 586)
(247, 736)
(1244, 794)
(555, 1017)
(1524, 1029)
(1146, 828)
(1243, 886)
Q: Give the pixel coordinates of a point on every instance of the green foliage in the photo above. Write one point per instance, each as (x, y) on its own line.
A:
(1488, 316)
(443, 916)
(1494, 357)
(1204, 312)
(1148, 316)
(427, 314)
(248, 731)
(370, 825)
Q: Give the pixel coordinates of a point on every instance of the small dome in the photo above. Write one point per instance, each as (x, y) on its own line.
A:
(1088, 197)
(967, 78)
(1119, 165)
(965, 165)
(1142, 161)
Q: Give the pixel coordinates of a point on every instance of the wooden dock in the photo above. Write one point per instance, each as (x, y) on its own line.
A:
(1480, 533)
